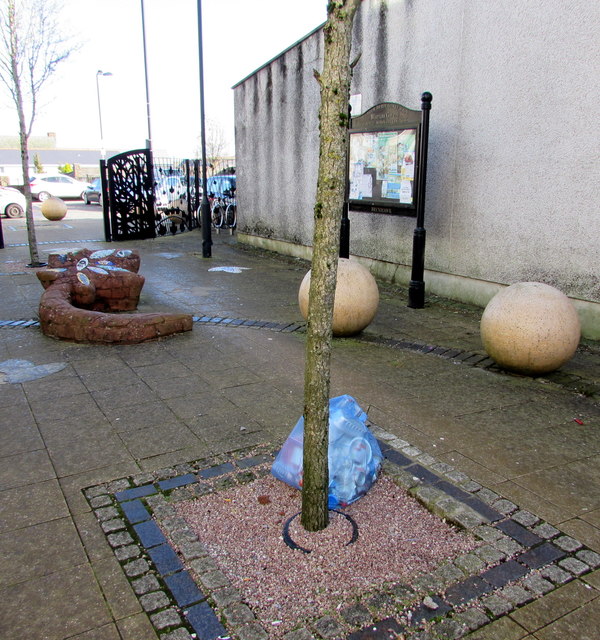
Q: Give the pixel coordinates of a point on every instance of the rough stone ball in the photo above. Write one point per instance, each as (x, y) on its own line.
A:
(531, 328)
(54, 208)
(356, 298)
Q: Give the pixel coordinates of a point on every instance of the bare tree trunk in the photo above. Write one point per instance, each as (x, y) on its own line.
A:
(31, 238)
(333, 115)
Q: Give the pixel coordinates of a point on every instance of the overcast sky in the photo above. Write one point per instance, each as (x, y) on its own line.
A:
(238, 37)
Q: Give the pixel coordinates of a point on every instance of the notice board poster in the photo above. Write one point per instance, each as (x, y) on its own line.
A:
(382, 168)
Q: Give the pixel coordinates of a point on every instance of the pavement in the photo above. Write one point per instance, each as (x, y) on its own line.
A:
(88, 432)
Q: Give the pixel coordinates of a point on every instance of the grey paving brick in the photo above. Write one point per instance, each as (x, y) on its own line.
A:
(106, 513)
(101, 501)
(145, 585)
(566, 543)
(574, 566)
(496, 605)
(165, 619)
(252, 631)
(525, 518)
(214, 580)
(238, 614)
(469, 563)
(489, 497)
(516, 595)
(191, 550)
(472, 618)
(136, 568)
(555, 574)
(546, 531)
(589, 557)
(505, 507)
(226, 596)
(328, 627)
(119, 539)
(508, 547)
(356, 614)
(154, 601)
(537, 585)
(96, 491)
(489, 554)
(127, 553)
(116, 524)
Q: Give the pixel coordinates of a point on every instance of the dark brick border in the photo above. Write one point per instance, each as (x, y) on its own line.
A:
(520, 558)
(568, 381)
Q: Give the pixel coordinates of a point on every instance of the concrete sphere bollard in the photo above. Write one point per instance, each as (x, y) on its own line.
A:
(531, 328)
(54, 208)
(356, 298)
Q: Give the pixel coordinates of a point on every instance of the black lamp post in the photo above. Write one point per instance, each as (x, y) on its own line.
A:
(204, 206)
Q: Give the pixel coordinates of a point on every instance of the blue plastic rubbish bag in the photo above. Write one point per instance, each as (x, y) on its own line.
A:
(354, 455)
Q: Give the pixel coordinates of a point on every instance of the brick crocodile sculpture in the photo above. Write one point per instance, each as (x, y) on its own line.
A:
(84, 289)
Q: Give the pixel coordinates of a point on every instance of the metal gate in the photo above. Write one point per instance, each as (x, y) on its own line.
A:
(144, 198)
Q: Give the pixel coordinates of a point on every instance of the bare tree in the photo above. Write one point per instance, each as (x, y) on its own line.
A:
(215, 144)
(333, 117)
(30, 49)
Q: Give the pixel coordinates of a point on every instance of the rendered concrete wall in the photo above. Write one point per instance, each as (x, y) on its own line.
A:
(514, 166)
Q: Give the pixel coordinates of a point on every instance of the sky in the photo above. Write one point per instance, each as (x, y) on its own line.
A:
(239, 36)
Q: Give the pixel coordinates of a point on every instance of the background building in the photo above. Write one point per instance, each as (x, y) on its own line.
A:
(514, 166)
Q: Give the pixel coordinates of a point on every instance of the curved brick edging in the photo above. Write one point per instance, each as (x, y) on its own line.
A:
(520, 559)
(83, 285)
(60, 319)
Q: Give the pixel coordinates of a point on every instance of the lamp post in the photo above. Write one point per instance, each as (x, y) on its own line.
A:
(149, 140)
(204, 206)
(98, 74)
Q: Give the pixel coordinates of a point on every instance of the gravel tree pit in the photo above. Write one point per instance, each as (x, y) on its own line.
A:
(202, 545)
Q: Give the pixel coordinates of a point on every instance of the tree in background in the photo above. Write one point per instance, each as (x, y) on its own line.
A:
(37, 164)
(65, 168)
(216, 144)
(31, 47)
(334, 82)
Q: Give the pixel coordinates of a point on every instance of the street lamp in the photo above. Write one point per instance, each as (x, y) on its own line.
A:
(204, 205)
(98, 74)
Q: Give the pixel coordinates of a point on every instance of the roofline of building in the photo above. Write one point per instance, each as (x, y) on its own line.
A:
(279, 55)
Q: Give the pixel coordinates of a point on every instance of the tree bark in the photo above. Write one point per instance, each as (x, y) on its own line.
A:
(333, 115)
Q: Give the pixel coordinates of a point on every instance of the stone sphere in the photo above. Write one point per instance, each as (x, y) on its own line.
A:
(531, 328)
(356, 298)
(54, 208)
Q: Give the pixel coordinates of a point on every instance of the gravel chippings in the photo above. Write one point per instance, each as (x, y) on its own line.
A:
(242, 529)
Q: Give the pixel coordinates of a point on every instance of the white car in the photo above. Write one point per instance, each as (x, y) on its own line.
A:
(12, 202)
(43, 186)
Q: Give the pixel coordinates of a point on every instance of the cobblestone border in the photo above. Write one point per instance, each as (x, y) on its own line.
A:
(185, 595)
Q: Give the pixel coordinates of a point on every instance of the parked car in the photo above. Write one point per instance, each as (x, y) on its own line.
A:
(220, 186)
(94, 192)
(12, 202)
(168, 190)
(44, 186)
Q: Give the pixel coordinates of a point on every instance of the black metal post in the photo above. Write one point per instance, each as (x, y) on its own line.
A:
(345, 225)
(105, 201)
(416, 288)
(1, 235)
(204, 207)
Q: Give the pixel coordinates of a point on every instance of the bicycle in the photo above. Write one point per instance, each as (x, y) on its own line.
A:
(223, 210)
